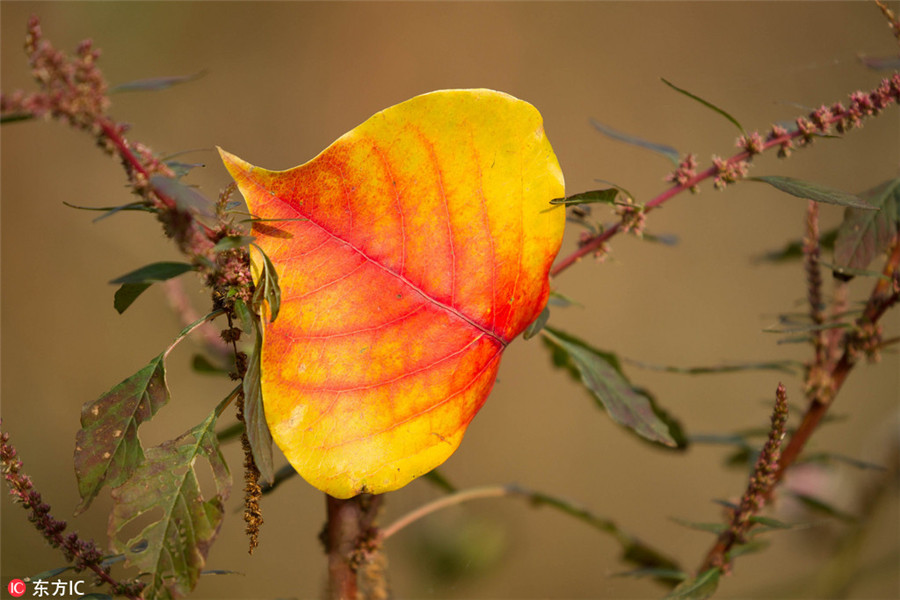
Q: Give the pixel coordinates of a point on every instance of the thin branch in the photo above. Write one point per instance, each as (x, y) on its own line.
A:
(724, 171)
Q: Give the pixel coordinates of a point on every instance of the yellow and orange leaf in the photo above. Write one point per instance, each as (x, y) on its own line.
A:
(410, 252)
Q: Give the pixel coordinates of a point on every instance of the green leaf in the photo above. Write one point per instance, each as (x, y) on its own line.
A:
(438, 479)
(283, 474)
(822, 507)
(15, 117)
(153, 84)
(127, 294)
(607, 196)
(707, 527)
(535, 327)
(178, 542)
(794, 250)
(828, 457)
(601, 374)
(783, 366)
(267, 288)
(698, 588)
(201, 364)
(185, 197)
(813, 191)
(705, 103)
(254, 415)
(751, 547)
(807, 328)
(233, 241)
(244, 315)
(865, 234)
(768, 523)
(667, 151)
(159, 271)
(107, 448)
(111, 210)
(95, 596)
(667, 575)
(633, 550)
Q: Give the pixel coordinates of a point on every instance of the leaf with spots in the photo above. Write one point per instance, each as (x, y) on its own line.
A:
(107, 448)
(409, 254)
(173, 548)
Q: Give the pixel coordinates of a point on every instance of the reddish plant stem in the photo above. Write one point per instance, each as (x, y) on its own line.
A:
(350, 534)
(884, 295)
(818, 122)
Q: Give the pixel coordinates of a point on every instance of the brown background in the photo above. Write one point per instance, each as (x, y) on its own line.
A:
(283, 81)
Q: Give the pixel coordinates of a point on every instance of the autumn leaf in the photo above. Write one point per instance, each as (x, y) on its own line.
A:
(409, 253)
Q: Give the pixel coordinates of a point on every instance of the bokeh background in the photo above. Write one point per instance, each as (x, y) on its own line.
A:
(285, 79)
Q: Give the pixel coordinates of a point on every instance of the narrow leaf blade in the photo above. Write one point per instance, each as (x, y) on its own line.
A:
(625, 405)
(607, 196)
(254, 415)
(697, 588)
(705, 103)
(668, 151)
(158, 271)
(813, 191)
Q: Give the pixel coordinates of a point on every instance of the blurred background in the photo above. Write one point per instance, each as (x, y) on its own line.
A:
(282, 81)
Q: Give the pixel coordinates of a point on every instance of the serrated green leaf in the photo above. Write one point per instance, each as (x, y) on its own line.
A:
(127, 294)
(152, 84)
(158, 271)
(705, 103)
(592, 197)
(107, 448)
(178, 542)
(535, 327)
(698, 588)
(185, 197)
(601, 374)
(233, 241)
(254, 414)
(865, 234)
(813, 191)
(668, 151)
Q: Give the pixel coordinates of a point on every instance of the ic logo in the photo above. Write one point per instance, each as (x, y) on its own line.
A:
(16, 588)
